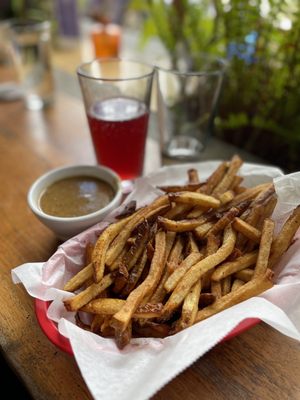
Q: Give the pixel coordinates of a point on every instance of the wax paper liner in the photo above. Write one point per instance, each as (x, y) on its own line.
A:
(145, 365)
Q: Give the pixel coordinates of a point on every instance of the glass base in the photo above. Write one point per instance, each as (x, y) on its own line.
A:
(184, 148)
(35, 102)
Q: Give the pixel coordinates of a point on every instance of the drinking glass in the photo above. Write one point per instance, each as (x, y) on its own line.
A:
(116, 95)
(31, 45)
(187, 101)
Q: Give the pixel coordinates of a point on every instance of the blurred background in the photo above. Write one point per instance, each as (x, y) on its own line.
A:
(259, 108)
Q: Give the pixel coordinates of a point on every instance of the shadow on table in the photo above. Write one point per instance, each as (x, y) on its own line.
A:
(10, 383)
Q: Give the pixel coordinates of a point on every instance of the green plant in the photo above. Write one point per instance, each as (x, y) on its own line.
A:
(261, 40)
(23, 9)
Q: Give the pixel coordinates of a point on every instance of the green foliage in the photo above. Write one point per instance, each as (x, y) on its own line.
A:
(261, 92)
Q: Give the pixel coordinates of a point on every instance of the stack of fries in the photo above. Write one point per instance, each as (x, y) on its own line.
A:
(191, 253)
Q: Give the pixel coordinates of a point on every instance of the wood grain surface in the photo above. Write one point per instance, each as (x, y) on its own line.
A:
(259, 364)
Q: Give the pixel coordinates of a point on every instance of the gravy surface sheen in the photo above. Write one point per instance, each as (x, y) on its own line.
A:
(75, 196)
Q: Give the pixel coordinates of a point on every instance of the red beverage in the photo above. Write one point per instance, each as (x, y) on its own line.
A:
(119, 128)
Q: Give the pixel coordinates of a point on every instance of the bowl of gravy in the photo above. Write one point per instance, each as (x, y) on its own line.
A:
(70, 199)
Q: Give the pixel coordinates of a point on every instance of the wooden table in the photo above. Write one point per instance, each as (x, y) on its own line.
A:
(259, 364)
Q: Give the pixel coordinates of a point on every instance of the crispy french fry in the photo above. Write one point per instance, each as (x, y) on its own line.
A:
(116, 246)
(206, 299)
(229, 176)
(135, 274)
(226, 219)
(201, 231)
(244, 275)
(190, 307)
(121, 319)
(183, 225)
(102, 244)
(237, 180)
(198, 270)
(195, 199)
(186, 264)
(283, 240)
(215, 178)
(247, 230)
(237, 283)
(226, 285)
(191, 246)
(226, 197)
(152, 329)
(96, 323)
(82, 298)
(193, 176)
(216, 289)
(79, 279)
(250, 289)
(173, 254)
(110, 306)
(264, 247)
(88, 253)
(230, 267)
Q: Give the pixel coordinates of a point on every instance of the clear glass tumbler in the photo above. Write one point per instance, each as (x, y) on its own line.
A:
(187, 102)
(117, 96)
(31, 44)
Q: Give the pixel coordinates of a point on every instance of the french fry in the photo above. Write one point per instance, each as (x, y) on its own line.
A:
(214, 179)
(191, 246)
(198, 270)
(226, 219)
(247, 230)
(121, 319)
(193, 176)
(184, 225)
(250, 289)
(152, 329)
(226, 285)
(283, 240)
(226, 197)
(186, 264)
(202, 230)
(102, 244)
(190, 307)
(116, 246)
(195, 199)
(237, 283)
(88, 294)
(230, 267)
(264, 247)
(110, 306)
(229, 176)
(216, 289)
(244, 275)
(135, 274)
(79, 279)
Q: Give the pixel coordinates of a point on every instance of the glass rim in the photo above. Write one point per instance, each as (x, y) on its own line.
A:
(214, 72)
(84, 74)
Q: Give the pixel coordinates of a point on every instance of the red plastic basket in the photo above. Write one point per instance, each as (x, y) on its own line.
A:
(50, 329)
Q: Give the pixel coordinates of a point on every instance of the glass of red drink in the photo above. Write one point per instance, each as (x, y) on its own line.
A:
(117, 95)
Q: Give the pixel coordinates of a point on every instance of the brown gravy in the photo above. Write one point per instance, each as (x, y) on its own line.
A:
(75, 196)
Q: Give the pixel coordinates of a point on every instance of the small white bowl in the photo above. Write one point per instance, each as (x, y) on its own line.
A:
(67, 227)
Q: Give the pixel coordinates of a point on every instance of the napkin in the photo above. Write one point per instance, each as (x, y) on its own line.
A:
(146, 364)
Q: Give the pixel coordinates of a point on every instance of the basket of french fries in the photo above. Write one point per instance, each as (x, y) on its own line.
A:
(183, 258)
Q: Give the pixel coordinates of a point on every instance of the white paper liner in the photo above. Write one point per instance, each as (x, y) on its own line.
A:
(145, 365)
